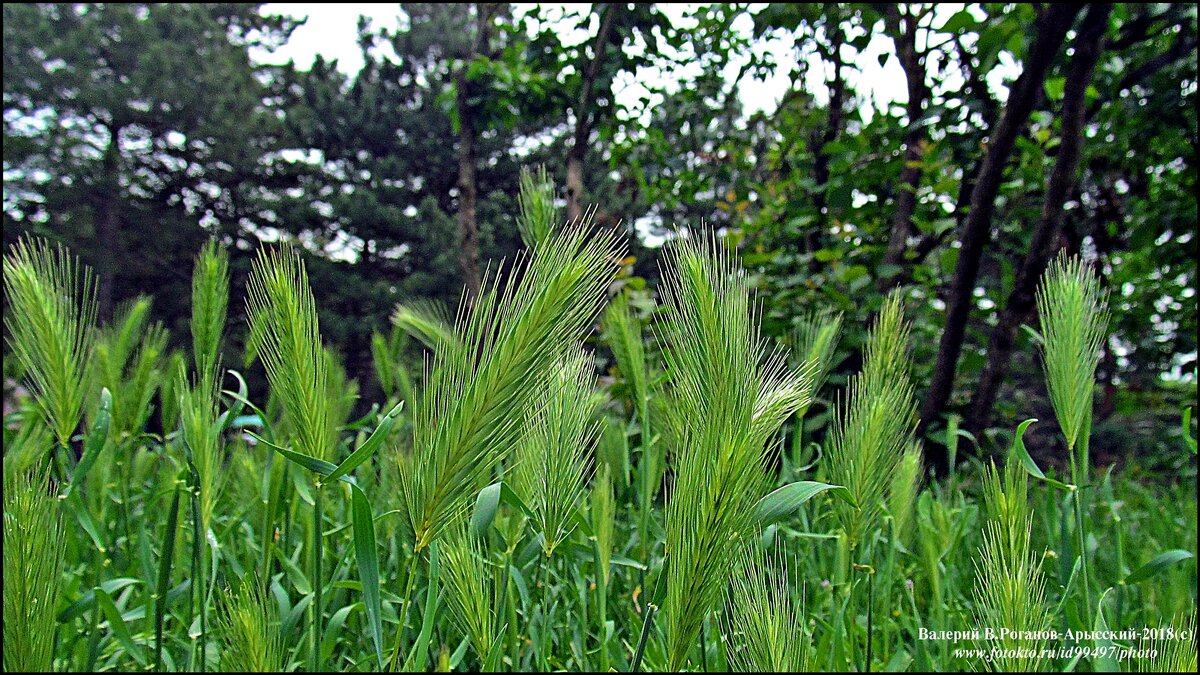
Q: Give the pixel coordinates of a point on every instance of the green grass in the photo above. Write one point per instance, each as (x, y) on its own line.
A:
(511, 509)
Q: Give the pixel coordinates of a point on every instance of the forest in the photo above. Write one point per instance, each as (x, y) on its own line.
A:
(755, 337)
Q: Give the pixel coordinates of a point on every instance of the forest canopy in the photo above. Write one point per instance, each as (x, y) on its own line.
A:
(134, 133)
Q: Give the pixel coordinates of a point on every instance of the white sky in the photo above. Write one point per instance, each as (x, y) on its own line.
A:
(331, 32)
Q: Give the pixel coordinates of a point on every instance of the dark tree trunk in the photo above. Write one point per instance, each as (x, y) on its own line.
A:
(1088, 45)
(468, 227)
(1051, 29)
(905, 29)
(108, 226)
(583, 118)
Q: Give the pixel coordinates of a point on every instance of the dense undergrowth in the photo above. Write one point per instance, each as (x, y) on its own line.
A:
(505, 509)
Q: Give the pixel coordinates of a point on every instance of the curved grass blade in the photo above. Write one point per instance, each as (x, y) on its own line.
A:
(787, 499)
(369, 446)
(368, 566)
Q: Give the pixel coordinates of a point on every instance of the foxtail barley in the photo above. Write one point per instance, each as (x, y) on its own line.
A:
(50, 312)
(734, 395)
(33, 562)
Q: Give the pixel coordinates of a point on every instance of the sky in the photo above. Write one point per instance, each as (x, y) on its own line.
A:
(332, 30)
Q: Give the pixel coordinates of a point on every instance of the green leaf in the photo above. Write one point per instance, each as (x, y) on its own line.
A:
(97, 439)
(368, 566)
(369, 446)
(118, 626)
(792, 496)
(164, 574)
(1104, 661)
(311, 463)
(485, 508)
(1188, 439)
(1019, 452)
(431, 605)
(1054, 87)
(1156, 565)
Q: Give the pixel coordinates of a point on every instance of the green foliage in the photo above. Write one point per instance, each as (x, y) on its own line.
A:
(283, 319)
(210, 304)
(549, 464)
(765, 621)
(469, 588)
(815, 342)
(902, 494)
(479, 388)
(874, 424)
(1073, 313)
(33, 566)
(1011, 590)
(50, 303)
(539, 215)
(735, 395)
(250, 631)
(426, 320)
(128, 359)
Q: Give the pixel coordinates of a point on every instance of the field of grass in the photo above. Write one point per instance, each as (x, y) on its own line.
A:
(507, 510)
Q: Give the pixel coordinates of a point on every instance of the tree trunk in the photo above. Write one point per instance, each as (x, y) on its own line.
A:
(108, 226)
(1051, 29)
(468, 227)
(1088, 45)
(583, 118)
(910, 175)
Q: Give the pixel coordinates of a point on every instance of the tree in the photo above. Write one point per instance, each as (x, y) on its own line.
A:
(1049, 31)
(130, 124)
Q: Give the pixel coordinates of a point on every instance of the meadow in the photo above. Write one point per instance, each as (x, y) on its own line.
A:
(514, 506)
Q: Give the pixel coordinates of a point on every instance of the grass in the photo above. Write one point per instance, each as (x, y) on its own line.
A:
(510, 509)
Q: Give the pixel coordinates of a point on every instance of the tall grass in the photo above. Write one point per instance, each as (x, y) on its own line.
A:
(50, 311)
(250, 632)
(766, 623)
(478, 391)
(1072, 309)
(1011, 590)
(33, 566)
(735, 395)
(284, 325)
(873, 425)
(548, 572)
(550, 463)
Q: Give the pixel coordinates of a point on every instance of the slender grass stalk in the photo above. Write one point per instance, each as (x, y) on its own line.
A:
(284, 327)
(33, 565)
(1072, 309)
(603, 517)
(735, 395)
(623, 334)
